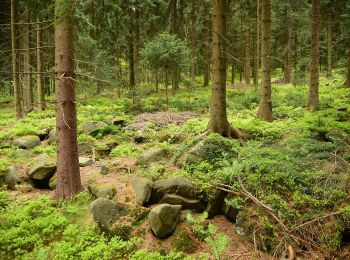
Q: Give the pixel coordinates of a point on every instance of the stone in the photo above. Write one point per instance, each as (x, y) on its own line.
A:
(11, 177)
(105, 168)
(163, 219)
(178, 185)
(153, 155)
(85, 148)
(92, 126)
(192, 204)
(119, 121)
(85, 161)
(42, 171)
(105, 212)
(21, 153)
(102, 190)
(338, 136)
(143, 189)
(52, 136)
(195, 155)
(27, 142)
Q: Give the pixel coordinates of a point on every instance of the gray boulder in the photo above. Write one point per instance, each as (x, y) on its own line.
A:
(192, 204)
(42, 171)
(119, 121)
(105, 168)
(338, 136)
(178, 185)
(27, 142)
(153, 155)
(163, 219)
(105, 212)
(52, 136)
(102, 190)
(92, 126)
(9, 178)
(21, 153)
(85, 148)
(85, 161)
(143, 189)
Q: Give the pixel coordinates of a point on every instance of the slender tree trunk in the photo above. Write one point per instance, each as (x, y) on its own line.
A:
(287, 78)
(218, 122)
(207, 57)
(15, 60)
(247, 55)
(39, 55)
(173, 30)
(137, 46)
(117, 57)
(313, 98)
(329, 45)
(348, 71)
(265, 107)
(28, 64)
(68, 176)
(233, 73)
(131, 53)
(193, 39)
(257, 46)
(166, 87)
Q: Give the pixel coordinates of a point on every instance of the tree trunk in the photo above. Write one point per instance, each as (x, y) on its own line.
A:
(15, 60)
(166, 87)
(39, 55)
(68, 176)
(131, 53)
(218, 122)
(117, 57)
(329, 46)
(265, 107)
(287, 78)
(28, 65)
(348, 71)
(207, 57)
(247, 54)
(137, 46)
(193, 40)
(313, 98)
(257, 46)
(232, 73)
(173, 30)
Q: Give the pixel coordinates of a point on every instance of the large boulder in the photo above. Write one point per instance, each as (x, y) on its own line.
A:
(196, 205)
(92, 126)
(338, 136)
(103, 190)
(105, 212)
(178, 185)
(9, 178)
(85, 161)
(153, 155)
(85, 148)
(42, 171)
(27, 142)
(143, 189)
(163, 219)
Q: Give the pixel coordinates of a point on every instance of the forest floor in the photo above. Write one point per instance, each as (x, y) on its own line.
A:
(298, 166)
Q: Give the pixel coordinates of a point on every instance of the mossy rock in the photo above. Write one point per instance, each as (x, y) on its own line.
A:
(183, 240)
(27, 142)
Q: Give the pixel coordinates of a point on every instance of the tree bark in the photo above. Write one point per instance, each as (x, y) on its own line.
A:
(265, 107)
(173, 30)
(117, 57)
(287, 78)
(257, 46)
(207, 57)
(348, 71)
(329, 45)
(39, 55)
(15, 60)
(313, 97)
(137, 46)
(218, 122)
(68, 176)
(232, 73)
(247, 53)
(193, 39)
(28, 65)
(131, 52)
